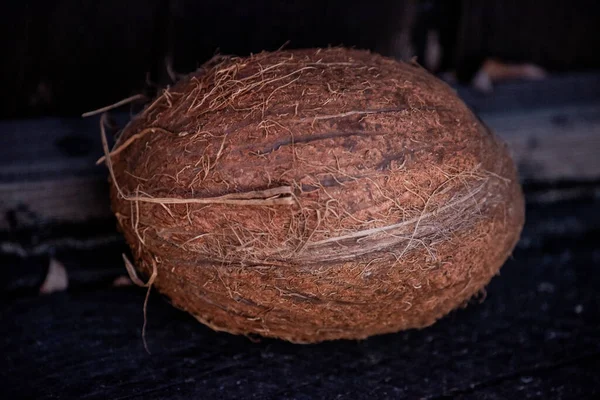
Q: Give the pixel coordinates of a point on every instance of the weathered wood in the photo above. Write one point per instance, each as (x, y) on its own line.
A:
(552, 144)
(535, 336)
(73, 199)
(552, 93)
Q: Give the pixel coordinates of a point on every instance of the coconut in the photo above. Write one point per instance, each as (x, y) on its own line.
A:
(314, 194)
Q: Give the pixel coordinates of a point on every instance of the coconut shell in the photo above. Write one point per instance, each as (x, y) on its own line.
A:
(314, 194)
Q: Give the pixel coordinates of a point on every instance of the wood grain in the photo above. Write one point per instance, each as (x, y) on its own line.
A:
(535, 335)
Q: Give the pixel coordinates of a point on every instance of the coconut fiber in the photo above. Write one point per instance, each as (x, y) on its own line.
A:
(313, 195)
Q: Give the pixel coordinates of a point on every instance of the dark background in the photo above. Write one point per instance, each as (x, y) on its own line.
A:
(67, 57)
(536, 335)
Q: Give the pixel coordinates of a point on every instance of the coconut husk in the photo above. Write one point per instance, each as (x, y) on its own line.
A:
(314, 194)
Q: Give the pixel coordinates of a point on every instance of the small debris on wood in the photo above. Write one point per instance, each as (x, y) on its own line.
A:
(57, 279)
(122, 281)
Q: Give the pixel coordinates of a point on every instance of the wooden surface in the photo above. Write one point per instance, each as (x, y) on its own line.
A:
(536, 335)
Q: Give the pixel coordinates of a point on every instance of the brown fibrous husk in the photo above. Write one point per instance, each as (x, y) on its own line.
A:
(314, 194)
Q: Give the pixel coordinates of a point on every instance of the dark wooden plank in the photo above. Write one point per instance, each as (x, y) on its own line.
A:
(49, 148)
(560, 90)
(536, 335)
(71, 199)
(552, 144)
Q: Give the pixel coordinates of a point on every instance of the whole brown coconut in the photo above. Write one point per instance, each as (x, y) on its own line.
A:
(315, 194)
